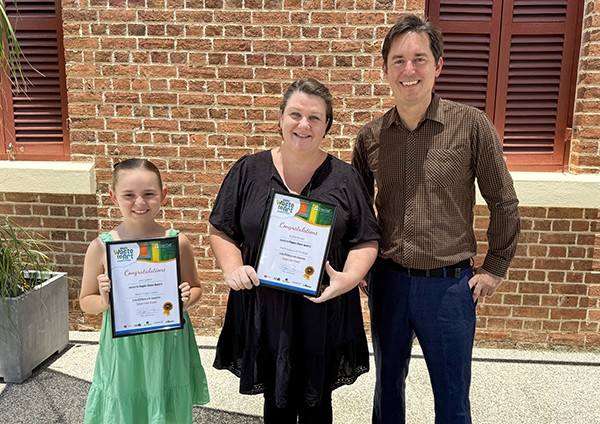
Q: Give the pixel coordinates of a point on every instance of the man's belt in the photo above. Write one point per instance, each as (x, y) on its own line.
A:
(445, 271)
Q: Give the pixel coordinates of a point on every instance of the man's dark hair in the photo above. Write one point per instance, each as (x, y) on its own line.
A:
(412, 23)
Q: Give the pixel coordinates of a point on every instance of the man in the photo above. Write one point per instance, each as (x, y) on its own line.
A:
(424, 154)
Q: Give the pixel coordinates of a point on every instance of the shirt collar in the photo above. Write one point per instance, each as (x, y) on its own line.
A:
(434, 112)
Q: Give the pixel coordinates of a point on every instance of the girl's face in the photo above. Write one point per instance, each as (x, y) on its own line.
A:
(303, 122)
(138, 195)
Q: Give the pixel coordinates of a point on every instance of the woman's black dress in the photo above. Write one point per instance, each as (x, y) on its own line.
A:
(280, 342)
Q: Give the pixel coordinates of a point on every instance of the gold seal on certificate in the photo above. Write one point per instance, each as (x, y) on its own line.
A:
(144, 295)
(308, 271)
(295, 243)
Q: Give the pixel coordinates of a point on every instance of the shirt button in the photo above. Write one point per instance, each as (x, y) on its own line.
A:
(409, 187)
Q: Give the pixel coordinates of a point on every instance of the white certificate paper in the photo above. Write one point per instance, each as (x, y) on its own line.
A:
(144, 292)
(295, 243)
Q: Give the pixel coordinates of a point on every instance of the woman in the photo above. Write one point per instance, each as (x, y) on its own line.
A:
(292, 348)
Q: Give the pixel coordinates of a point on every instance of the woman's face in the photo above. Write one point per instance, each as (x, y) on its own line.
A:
(303, 122)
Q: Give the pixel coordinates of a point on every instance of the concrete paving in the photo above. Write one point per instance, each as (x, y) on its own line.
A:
(508, 386)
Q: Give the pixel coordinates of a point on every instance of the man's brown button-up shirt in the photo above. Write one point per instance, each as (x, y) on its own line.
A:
(426, 186)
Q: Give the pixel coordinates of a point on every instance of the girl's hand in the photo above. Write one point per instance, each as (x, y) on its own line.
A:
(242, 278)
(104, 288)
(185, 294)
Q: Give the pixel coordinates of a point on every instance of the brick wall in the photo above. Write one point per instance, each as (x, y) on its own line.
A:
(585, 149)
(551, 296)
(194, 85)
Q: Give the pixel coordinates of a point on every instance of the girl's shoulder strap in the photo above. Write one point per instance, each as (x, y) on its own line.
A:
(105, 237)
(173, 232)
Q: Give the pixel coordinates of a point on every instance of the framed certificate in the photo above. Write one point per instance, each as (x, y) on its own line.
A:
(145, 278)
(295, 243)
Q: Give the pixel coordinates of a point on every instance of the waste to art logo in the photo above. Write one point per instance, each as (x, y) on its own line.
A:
(124, 254)
(285, 206)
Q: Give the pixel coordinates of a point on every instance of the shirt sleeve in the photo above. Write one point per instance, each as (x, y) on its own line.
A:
(225, 215)
(496, 187)
(363, 226)
(361, 163)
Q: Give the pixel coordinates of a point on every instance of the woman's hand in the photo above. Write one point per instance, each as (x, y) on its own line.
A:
(339, 283)
(359, 261)
(104, 289)
(236, 275)
(242, 278)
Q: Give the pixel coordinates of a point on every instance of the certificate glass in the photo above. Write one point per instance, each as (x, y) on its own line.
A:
(295, 243)
(144, 295)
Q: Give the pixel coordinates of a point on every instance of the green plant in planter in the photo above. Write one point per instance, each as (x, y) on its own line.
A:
(34, 312)
(21, 253)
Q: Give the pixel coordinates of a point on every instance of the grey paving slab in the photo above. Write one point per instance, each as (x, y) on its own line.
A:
(509, 386)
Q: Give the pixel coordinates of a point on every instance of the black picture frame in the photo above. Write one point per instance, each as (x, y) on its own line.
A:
(287, 286)
(169, 247)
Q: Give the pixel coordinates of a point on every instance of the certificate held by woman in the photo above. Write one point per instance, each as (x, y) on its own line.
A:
(295, 243)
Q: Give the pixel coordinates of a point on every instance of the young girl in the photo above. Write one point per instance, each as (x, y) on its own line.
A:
(147, 378)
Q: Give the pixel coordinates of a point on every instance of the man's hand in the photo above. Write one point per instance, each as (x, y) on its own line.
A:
(484, 283)
(364, 285)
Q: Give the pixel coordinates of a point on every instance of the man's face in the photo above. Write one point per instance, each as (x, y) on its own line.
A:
(411, 70)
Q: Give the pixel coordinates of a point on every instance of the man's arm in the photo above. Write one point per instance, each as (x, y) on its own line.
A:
(361, 163)
(496, 186)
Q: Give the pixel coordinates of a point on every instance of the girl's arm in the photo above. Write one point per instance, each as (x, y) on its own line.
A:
(237, 275)
(191, 290)
(95, 285)
(360, 259)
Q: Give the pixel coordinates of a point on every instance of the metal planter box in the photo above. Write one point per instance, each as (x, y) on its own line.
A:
(33, 327)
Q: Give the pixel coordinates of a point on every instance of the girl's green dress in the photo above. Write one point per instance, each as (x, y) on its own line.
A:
(149, 378)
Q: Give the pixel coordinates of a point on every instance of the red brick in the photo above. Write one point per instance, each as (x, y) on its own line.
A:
(537, 288)
(532, 325)
(550, 325)
(579, 289)
(492, 335)
(592, 340)
(567, 339)
(528, 336)
(301, 46)
(554, 239)
(594, 316)
(488, 310)
(531, 212)
(553, 264)
(530, 300)
(542, 225)
(530, 312)
(567, 213)
(568, 314)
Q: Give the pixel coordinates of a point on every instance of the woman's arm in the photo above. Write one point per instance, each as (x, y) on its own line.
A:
(360, 259)
(191, 290)
(95, 285)
(237, 275)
